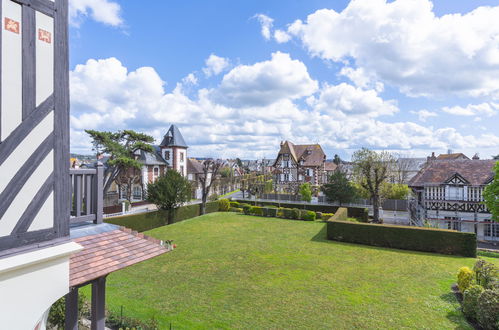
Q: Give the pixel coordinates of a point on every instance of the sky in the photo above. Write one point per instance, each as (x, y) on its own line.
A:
(238, 77)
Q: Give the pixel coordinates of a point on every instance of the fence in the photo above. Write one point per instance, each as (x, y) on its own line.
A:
(87, 194)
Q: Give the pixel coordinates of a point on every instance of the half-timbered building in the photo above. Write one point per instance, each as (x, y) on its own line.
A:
(52, 237)
(299, 163)
(449, 194)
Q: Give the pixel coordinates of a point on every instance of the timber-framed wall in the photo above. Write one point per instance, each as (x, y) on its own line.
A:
(34, 124)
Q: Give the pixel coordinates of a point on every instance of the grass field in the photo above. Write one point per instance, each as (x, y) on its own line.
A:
(236, 271)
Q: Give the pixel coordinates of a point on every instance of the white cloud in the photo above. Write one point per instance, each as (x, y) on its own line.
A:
(106, 96)
(266, 24)
(190, 79)
(424, 114)
(215, 65)
(483, 109)
(103, 11)
(344, 100)
(266, 82)
(281, 36)
(404, 44)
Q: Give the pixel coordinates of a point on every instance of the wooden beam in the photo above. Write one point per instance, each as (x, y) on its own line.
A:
(99, 304)
(71, 320)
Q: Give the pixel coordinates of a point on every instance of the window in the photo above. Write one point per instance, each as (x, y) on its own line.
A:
(167, 155)
(182, 157)
(491, 229)
(310, 172)
(286, 177)
(137, 192)
(285, 163)
(455, 193)
(454, 224)
(123, 191)
(182, 170)
(155, 173)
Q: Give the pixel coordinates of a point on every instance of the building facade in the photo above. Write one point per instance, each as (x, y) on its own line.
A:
(449, 195)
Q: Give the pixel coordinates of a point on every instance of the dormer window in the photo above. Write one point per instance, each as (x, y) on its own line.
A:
(167, 155)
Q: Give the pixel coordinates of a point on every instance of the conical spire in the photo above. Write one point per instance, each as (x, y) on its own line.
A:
(173, 138)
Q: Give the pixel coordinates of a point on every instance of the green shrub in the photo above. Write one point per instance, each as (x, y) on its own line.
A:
(187, 212)
(223, 205)
(464, 278)
(490, 254)
(327, 216)
(246, 208)
(270, 206)
(270, 211)
(212, 207)
(487, 312)
(470, 300)
(57, 314)
(318, 215)
(140, 222)
(486, 273)
(287, 213)
(364, 216)
(404, 237)
(234, 204)
(308, 216)
(296, 214)
(236, 209)
(119, 321)
(256, 210)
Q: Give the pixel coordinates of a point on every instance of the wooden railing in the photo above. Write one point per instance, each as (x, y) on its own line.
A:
(87, 194)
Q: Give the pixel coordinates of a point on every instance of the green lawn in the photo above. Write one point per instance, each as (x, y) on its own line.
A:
(236, 271)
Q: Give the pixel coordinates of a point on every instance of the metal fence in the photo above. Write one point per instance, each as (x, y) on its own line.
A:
(87, 194)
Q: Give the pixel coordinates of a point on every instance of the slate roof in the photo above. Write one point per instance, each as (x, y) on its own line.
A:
(173, 138)
(330, 166)
(194, 166)
(476, 172)
(110, 251)
(152, 158)
(311, 154)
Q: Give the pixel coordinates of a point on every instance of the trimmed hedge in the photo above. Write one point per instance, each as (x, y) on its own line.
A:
(236, 209)
(223, 205)
(403, 237)
(354, 212)
(150, 220)
(234, 204)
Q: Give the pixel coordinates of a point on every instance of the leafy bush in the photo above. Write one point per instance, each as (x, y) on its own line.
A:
(236, 209)
(213, 197)
(404, 237)
(256, 210)
(224, 205)
(487, 312)
(326, 216)
(486, 273)
(234, 204)
(246, 208)
(287, 213)
(364, 216)
(308, 216)
(470, 300)
(318, 215)
(119, 321)
(270, 211)
(57, 314)
(464, 278)
(295, 214)
(212, 207)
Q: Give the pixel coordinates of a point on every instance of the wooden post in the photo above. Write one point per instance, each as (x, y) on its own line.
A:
(98, 304)
(71, 320)
(99, 192)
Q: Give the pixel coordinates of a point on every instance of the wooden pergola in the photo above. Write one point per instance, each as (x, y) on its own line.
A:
(113, 249)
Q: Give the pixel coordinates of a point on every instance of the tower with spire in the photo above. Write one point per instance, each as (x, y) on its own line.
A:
(174, 150)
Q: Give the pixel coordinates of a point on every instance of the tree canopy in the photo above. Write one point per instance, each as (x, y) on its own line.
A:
(306, 192)
(120, 147)
(169, 191)
(339, 188)
(491, 195)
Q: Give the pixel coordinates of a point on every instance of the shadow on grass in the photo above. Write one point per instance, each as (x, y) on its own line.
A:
(456, 315)
(321, 236)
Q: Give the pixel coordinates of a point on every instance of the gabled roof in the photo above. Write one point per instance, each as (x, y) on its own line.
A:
(330, 166)
(476, 172)
(173, 138)
(194, 166)
(311, 154)
(151, 158)
(459, 155)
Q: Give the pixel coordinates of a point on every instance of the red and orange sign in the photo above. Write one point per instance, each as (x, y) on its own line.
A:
(12, 26)
(44, 36)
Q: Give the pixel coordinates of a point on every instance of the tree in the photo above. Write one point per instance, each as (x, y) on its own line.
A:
(122, 165)
(402, 167)
(371, 169)
(169, 191)
(306, 192)
(491, 195)
(336, 159)
(339, 188)
(210, 171)
(496, 157)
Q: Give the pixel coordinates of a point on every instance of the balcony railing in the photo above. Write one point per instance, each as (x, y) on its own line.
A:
(87, 194)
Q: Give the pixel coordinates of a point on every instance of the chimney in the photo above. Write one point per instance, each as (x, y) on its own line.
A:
(476, 157)
(432, 157)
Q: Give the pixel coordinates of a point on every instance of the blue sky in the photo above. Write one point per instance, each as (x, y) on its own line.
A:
(407, 76)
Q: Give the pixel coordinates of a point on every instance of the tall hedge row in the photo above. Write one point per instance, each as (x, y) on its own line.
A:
(150, 220)
(403, 237)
